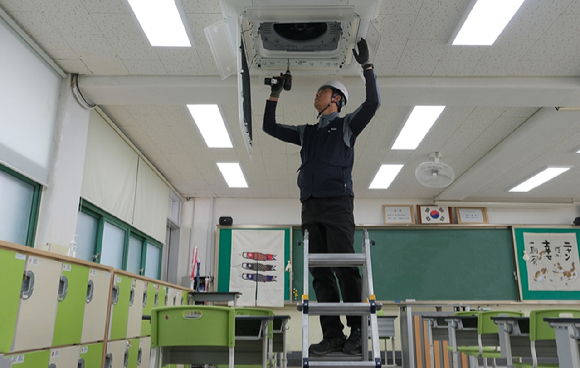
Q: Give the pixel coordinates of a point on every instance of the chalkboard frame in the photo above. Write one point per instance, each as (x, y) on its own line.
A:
(508, 281)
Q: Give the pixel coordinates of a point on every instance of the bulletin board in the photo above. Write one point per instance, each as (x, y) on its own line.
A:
(548, 262)
(257, 263)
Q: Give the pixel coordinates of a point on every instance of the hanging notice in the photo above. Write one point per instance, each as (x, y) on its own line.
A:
(257, 267)
(552, 261)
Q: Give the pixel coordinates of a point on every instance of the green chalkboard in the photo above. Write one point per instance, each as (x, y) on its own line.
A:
(432, 263)
(224, 254)
(548, 262)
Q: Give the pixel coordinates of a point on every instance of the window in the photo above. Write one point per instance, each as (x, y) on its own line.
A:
(107, 240)
(19, 200)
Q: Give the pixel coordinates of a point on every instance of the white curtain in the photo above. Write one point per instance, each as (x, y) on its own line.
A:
(29, 92)
(110, 171)
(151, 207)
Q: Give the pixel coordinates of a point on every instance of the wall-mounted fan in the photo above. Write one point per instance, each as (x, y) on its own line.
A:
(434, 174)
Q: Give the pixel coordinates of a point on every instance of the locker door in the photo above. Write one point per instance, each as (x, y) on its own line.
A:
(148, 304)
(11, 273)
(162, 296)
(32, 359)
(92, 355)
(120, 307)
(96, 306)
(117, 354)
(135, 308)
(144, 356)
(37, 311)
(65, 357)
(71, 304)
(133, 353)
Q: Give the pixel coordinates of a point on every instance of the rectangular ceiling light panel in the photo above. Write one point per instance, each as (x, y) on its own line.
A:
(211, 125)
(161, 22)
(485, 22)
(539, 179)
(385, 176)
(418, 124)
(232, 173)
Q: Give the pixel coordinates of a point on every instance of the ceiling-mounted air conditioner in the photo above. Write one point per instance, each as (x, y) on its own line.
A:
(306, 36)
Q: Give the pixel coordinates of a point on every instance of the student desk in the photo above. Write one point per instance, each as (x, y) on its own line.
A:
(386, 326)
(279, 340)
(437, 330)
(252, 340)
(462, 330)
(514, 339)
(214, 297)
(567, 337)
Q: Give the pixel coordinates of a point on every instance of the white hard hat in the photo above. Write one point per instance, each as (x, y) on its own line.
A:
(334, 84)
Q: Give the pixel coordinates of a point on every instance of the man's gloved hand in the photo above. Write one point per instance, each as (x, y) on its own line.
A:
(362, 56)
(278, 87)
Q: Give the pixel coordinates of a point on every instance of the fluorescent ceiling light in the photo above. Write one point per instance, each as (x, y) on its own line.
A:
(211, 125)
(418, 124)
(385, 176)
(539, 179)
(232, 173)
(161, 22)
(486, 21)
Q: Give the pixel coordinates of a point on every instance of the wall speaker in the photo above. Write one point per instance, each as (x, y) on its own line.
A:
(577, 221)
(226, 221)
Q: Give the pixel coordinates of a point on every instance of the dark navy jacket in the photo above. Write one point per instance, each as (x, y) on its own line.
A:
(328, 147)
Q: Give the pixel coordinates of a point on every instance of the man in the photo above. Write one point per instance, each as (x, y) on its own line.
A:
(325, 182)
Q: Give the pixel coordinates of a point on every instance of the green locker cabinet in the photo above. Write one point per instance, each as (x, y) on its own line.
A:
(135, 308)
(133, 353)
(117, 354)
(11, 273)
(120, 299)
(34, 359)
(96, 305)
(185, 297)
(91, 355)
(38, 304)
(162, 296)
(64, 357)
(144, 357)
(149, 298)
(72, 295)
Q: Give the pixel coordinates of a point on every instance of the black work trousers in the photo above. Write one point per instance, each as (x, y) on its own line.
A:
(330, 225)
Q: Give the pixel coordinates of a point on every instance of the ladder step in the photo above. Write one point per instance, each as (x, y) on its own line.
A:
(339, 309)
(348, 363)
(336, 260)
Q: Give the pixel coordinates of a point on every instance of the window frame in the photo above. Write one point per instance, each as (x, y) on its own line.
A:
(102, 217)
(34, 208)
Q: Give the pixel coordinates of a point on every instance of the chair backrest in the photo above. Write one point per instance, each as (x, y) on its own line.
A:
(540, 329)
(193, 325)
(486, 326)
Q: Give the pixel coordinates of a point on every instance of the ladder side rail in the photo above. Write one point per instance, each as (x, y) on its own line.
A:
(373, 316)
(305, 302)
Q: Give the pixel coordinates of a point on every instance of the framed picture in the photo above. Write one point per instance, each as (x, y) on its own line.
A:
(398, 214)
(472, 215)
(433, 214)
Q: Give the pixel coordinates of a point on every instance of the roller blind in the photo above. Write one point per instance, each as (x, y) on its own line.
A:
(29, 92)
(151, 209)
(110, 170)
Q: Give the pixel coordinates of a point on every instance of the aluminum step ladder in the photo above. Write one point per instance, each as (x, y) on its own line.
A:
(368, 308)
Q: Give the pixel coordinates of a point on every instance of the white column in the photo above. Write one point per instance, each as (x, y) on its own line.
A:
(60, 200)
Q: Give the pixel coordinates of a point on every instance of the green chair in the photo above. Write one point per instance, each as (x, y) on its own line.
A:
(486, 330)
(193, 335)
(540, 331)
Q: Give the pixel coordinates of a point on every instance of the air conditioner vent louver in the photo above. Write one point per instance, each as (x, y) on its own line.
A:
(296, 37)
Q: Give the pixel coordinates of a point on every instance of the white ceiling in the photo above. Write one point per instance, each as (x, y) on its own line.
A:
(499, 128)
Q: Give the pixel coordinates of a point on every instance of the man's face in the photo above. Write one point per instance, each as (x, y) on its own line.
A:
(323, 98)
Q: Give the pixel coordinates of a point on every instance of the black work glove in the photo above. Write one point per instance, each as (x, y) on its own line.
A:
(278, 87)
(362, 56)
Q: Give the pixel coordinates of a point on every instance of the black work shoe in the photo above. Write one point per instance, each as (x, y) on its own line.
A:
(327, 346)
(353, 343)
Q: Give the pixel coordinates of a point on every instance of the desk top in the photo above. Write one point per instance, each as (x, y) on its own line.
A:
(567, 320)
(214, 296)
